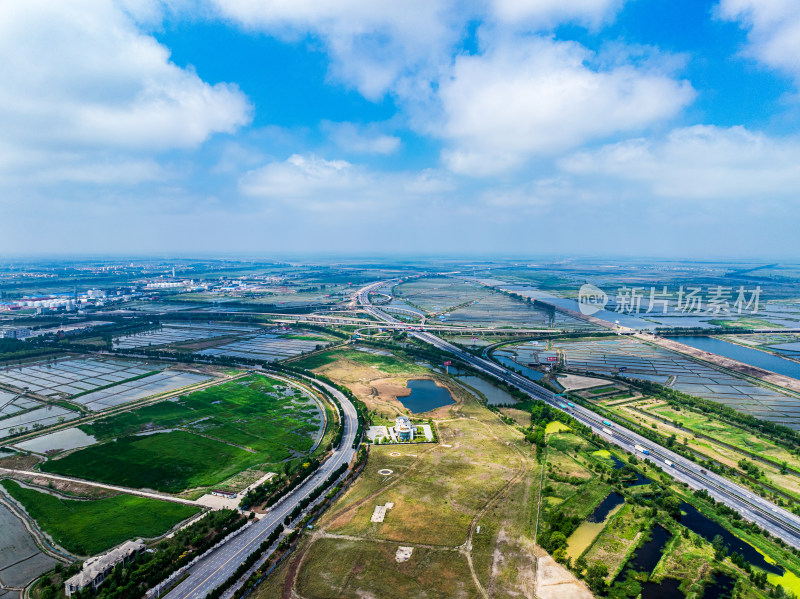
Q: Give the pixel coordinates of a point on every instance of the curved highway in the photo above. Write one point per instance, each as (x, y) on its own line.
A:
(777, 521)
(219, 565)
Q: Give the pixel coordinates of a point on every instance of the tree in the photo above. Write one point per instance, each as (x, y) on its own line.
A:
(580, 566)
(720, 550)
(596, 578)
(558, 540)
(672, 505)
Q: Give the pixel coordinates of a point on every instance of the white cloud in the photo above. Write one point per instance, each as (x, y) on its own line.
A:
(535, 96)
(360, 139)
(376, 45)
(81, 80)
(542, 13)
(699, 163)
(310, 183)
(774, 30)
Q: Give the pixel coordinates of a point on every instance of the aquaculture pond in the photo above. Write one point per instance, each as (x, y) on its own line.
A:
(692, 519)
(748, 355)
(71, 438)
(425, 395)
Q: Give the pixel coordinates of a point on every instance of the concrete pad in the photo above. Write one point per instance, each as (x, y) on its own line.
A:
(379, 513)
(403, 554)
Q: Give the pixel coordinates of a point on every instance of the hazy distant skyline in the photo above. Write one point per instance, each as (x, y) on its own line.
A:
(517, 127)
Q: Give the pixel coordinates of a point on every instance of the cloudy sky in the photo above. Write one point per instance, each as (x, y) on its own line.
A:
(612, 127)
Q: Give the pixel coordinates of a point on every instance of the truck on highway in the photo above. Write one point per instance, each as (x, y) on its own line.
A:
(608, 431)
(669, 463)
(562, 406)
(570, 404)
(606, 422)
(642, 449)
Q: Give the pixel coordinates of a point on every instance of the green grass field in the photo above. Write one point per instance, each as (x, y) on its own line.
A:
(249, 412)
(169, 462)
(91, 527)
(725, 432)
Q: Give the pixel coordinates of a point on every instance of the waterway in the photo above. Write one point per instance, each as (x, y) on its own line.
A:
(425, 395)
(524, 370)
(494, 395)
(748, 355)
(692, 519)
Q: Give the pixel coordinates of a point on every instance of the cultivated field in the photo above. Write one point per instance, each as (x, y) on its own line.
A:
(646, 362)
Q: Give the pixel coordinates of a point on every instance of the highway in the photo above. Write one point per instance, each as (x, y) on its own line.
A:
(777, 521)
(218, 566)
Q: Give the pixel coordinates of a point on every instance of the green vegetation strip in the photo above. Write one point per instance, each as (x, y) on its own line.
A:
(90, 527)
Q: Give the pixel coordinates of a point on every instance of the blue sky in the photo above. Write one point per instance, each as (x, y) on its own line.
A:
(606, 127)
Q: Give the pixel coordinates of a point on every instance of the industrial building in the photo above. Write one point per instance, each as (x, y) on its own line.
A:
(96, 569)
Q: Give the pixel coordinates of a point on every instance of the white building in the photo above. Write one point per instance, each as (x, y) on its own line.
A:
(96, 569)
(403, 428)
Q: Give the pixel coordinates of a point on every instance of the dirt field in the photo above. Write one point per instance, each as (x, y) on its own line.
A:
(554, 581)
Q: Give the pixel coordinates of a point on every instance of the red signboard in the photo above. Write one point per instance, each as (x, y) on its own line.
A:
(448, 362)
(552, 359)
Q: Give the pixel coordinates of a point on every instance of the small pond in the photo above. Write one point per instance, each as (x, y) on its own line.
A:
(721, 587)
(645, 560)
(425, 395)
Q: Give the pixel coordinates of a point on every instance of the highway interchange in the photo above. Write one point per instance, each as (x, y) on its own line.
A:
(776, 520)
(220, 564)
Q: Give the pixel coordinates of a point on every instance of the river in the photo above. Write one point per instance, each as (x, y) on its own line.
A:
(748, 355)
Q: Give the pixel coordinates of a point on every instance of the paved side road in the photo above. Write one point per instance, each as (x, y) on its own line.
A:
(217, 567)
